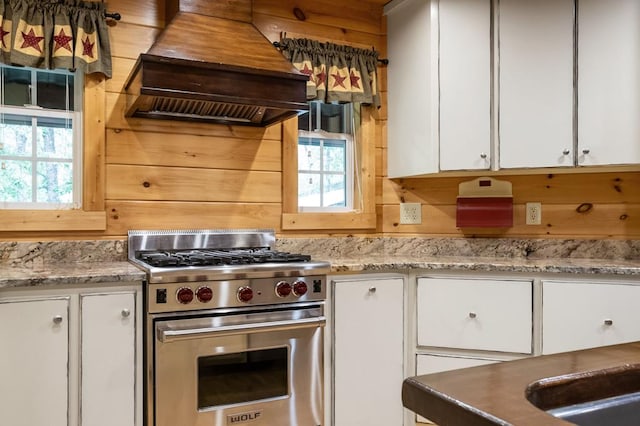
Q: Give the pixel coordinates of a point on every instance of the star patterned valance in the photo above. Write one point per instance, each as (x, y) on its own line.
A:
(336, 72)
(51, 34)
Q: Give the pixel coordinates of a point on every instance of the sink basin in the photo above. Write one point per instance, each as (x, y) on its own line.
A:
(615, 411)
(601, 397)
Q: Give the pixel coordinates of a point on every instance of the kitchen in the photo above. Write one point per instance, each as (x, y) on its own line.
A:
(155, 174)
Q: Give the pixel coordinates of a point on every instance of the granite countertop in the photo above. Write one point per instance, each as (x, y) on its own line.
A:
(486, 264)
(495, 394)
(80, 273)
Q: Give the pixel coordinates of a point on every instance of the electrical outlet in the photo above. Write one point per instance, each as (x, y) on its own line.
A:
(410, 213)
(534, 213)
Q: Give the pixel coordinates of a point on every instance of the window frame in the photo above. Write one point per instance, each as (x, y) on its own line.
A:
(363, 214)
(92, 216)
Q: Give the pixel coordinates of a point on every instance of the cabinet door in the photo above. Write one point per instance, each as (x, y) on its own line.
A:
(492, 315)
(368, 352)
(536, 83)
(465, 84)
(608, 82)
(412, 80)
(108, 359)
(34, 361)
(581, 315)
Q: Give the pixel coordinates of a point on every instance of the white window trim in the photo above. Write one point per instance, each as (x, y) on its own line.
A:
(77, 170)
(349, 169)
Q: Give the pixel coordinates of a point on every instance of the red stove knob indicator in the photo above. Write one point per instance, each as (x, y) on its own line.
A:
(245, 294)
(184, 295)
(299, 288)
(204, 294)
(283, 289)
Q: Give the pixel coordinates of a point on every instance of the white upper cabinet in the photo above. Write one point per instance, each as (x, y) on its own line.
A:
(608, 82)
(412, 81)
(439, 81)
(536, 100)
(465, 84)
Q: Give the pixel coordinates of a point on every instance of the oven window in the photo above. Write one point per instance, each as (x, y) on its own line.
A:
(242, 377)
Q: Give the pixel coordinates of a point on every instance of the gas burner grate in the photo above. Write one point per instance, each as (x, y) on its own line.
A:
(204, 257)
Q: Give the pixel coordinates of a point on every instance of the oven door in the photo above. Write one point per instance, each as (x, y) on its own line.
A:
(257, 368)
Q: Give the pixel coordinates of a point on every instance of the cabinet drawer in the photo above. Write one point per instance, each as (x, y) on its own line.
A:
(492, 315)
(580, 315)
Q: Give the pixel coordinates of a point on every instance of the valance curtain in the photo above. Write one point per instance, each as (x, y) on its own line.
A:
(336, 72)
(53, 34)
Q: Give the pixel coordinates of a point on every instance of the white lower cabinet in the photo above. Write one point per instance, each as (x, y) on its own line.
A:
(70, 358)
(368, 351)
(34, 383)
(582, 314)
(108, 359)
(476, 314)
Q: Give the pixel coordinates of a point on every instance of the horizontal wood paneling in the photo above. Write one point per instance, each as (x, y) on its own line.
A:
(558, 220)
(140, 12)
(128, 182)
(121, 69)
(161, 149)
(128, 40)
(125, 215)
(356, 15)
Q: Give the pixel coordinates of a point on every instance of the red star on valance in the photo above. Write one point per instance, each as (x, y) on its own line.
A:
(322, 77)
(2, 34)
(62, 41)
(306, 70)
(31, 40)
(355, 80)
(339, 80)
(87, 47)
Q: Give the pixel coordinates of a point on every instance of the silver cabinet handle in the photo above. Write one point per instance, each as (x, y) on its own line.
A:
(372, 289)
(472, 315)
(57, 319)
(608, 322)
(483, 155)
(126, 313)
(566, 152)
(586, 151)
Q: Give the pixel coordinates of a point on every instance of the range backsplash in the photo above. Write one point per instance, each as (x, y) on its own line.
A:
(38, 254)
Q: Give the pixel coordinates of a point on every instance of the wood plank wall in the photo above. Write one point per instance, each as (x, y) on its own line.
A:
(164, 174)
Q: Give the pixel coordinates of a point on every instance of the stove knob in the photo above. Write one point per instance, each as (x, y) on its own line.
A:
(283, 289)
(204, 294)
(299, 288)
(245, 294)
(184, 295)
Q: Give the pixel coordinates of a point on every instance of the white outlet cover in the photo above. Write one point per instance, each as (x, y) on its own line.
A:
(410, 213)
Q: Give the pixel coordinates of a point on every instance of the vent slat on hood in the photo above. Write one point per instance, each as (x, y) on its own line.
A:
(206, 68)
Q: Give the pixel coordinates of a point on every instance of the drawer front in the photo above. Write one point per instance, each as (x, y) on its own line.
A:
(492, 315)
(580, 315)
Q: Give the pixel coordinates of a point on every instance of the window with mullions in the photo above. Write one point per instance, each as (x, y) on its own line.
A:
(325, 158)
(40, 148)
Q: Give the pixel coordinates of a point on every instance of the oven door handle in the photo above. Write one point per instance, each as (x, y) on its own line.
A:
(169, 335)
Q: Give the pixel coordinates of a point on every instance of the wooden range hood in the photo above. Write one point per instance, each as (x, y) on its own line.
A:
(211, 64)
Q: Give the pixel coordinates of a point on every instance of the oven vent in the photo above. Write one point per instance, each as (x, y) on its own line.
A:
(218, 111)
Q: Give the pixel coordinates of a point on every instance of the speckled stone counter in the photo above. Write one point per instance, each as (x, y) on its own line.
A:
(69, 263)
(31, 264)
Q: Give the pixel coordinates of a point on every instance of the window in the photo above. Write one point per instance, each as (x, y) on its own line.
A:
(40, 139)
(325, 158)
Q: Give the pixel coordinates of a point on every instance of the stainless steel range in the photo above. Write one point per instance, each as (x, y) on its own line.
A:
(233, 330)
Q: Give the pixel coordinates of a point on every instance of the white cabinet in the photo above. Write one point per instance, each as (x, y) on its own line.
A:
(608, 82)
(439, 111)
(536, 99)
(71, 357)
(368, 351)
(579, 315)
(108, 345)
(465, 84)
(34, 384)
(477, 314)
